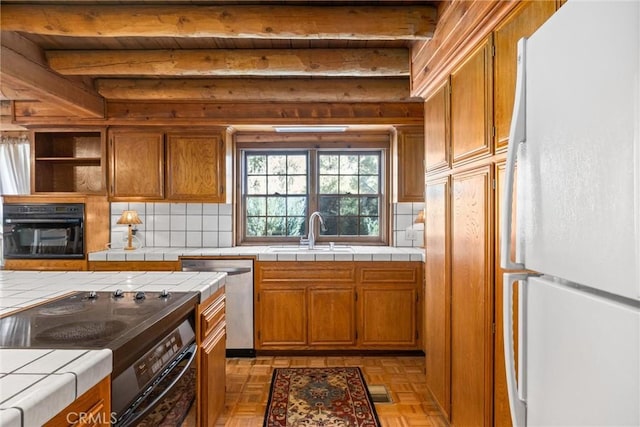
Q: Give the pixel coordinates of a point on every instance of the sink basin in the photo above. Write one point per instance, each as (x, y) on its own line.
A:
(317, 249)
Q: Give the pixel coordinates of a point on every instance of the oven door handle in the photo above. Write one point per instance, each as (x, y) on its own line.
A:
(41, 221)
(130, 421)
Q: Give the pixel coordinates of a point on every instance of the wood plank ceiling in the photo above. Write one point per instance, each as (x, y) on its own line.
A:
(80, 55)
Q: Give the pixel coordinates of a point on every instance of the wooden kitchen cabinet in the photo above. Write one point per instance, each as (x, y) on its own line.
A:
(180, 166)
(436, 129)
(211, 337)
(282, 317)
(137, 165)
(410, 164)
(437, 293)
(471, 106)
(472, 297)
(521, 22)
(332, 320)
(93, 408)
(338, 305)
(68, 161)
(195, 167)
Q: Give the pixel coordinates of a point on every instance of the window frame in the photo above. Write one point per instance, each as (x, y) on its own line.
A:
(375, 142)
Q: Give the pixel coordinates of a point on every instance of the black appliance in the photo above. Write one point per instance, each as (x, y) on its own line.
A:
(151, 335)
(51, 230)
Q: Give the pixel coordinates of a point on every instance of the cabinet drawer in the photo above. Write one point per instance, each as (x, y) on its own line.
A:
(395, 275)
(212, 316)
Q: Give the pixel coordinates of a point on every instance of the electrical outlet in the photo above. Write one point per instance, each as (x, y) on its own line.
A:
(411, 234)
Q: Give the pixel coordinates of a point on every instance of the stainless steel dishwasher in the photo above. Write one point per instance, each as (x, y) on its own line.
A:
(239, 300)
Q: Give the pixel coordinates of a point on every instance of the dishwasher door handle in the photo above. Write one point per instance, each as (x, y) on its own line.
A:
(231, 271)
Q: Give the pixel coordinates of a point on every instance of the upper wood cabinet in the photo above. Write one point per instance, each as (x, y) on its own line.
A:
(436, 129)
(137, 160)
(522, 22)
(471, 106)
(189, 166)
(410, 164)
(68, 161)
(195, 167)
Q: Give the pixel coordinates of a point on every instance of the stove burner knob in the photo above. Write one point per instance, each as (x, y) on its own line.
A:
(118, 293)
(140, 295)
(164, 294)
(92, 295)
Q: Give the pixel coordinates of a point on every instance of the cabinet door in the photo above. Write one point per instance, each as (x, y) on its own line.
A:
(438, 292)
(332, 316)
(410, 165)
(137, 165)
(195, 167)
(522, 22)
(212, 386)
(282, 318)
(471, 111)
(436, 129)
(471, 298)
(387, 316)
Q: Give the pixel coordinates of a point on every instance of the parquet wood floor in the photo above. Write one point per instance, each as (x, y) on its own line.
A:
(248, 381)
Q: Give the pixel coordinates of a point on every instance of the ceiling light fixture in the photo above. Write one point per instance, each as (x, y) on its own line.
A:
(310, 128)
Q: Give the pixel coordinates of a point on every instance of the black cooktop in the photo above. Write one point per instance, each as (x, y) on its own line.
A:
(125, 322)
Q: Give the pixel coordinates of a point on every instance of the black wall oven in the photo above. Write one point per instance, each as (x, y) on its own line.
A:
(51, 230)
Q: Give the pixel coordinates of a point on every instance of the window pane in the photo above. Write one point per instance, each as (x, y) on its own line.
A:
(349, 206)
(369, 206)
(256, 165)
(297, 206)
(257, 185)
(276, 206)
(297, 184)
(349, 184)
(368, 184)
(331, 226)
(348, 226)
(277, 184)
(295, 226)
(328, 184)
(348, 164)
(297, 164)
(369, 226)
(276, 226)
(369, 165)
(277, 165)
(256, 206)
(328, 163)
(329, 205)
(256, 226)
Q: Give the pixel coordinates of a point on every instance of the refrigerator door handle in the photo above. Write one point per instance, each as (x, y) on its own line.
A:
(515, 390)
(516, 136)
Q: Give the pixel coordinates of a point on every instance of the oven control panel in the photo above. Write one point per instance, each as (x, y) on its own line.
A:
(152, 363)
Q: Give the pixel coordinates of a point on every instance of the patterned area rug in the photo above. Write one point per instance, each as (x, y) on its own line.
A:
(319, 397)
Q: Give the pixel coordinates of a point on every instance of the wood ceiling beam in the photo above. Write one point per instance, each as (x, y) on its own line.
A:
(233, 62)
(228, 21)
(255, 90)
(22, 74)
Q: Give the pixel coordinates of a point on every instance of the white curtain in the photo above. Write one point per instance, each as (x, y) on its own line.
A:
(14, 165)
(14, 171)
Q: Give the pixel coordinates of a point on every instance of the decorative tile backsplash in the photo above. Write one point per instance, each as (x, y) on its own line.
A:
(210, 225)
(193, 225)
(404, 215)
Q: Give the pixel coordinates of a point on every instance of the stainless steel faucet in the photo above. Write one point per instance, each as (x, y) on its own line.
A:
(311, 241)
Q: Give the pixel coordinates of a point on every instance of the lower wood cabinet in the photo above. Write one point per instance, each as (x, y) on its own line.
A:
(211, 337)
(338, 305)
(93, 408)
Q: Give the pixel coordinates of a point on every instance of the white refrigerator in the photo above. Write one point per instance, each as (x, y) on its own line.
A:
(575, 139)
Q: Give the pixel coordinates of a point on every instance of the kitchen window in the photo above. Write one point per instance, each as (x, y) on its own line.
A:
(281, 186)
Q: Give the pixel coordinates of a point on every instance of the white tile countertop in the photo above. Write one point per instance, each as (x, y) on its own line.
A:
(36, 384)
(266, 253)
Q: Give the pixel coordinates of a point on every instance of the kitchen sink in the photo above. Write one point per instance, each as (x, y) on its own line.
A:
(317, 249)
